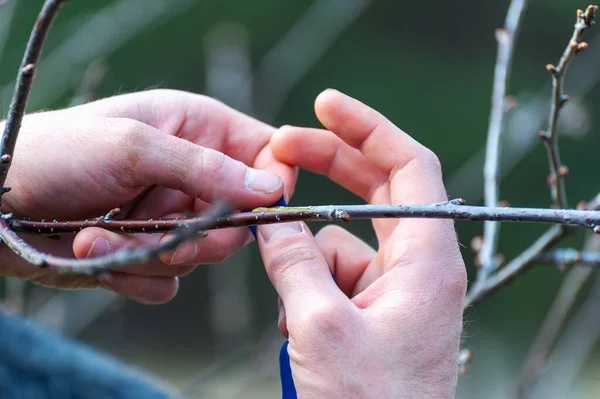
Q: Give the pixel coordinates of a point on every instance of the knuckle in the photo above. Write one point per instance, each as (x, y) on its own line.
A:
(212, 162)
(330, 320)
(133, 139)
(291, 256)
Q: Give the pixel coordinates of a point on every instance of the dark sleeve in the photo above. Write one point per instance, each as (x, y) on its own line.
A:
(38, 363)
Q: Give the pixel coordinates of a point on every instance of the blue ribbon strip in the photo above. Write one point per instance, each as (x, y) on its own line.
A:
(288, 389)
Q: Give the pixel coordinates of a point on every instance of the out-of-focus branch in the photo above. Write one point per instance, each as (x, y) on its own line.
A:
(566, 257)
(7, 10)
(537, 358)
(300, 49)
(526, 259)
(487, 285)
(571, 351)
(90, 83)
(24, 82)
(506, 38)
(91, 36)
(517, 266)
(454, 209)
(585, 19)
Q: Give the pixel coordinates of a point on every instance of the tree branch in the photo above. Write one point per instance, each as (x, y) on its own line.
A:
(566, 257)
(585, 19)
(506, 39)
(23, 86)
(125, 257)
(454, 209)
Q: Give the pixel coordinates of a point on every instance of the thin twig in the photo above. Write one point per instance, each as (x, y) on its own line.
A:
(23, 86)
(544, 343)
(324, 213)
(585, 19)
(506, 39)
(565, 257)
(122, 258)
(486, 286)
(518, 266)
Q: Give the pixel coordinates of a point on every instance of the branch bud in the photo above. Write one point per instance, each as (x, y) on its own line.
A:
(596, 229)
(499, 259)
(551, 68)
(28, 70)
(509, 102)
(563, 100)
(5, 158)
(562, 267)
(476, 243)
(580, 47)
(563, 170)
(503, 204)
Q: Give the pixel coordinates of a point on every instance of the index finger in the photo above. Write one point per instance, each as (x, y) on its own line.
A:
(192, 117)
(413, 171)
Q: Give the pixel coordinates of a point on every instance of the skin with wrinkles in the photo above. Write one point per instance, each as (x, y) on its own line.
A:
(154, 154)
(391, 326)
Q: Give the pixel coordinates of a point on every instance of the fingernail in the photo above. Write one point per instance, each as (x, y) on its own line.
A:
(99, 247)
(262, 181)
(272, 232)
(184, 253)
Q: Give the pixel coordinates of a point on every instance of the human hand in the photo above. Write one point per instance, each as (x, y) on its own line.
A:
(392, 327)
(154, 154)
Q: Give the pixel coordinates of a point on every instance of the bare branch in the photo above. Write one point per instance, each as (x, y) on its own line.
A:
(122, 258)
(454, 209)
(516, 267)
(23, 86)
(506, 39)
(566, 257)
(585, 19)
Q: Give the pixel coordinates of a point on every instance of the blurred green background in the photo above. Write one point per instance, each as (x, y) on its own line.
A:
(427, 66)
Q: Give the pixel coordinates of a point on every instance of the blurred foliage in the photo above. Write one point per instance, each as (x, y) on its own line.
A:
(427, 66)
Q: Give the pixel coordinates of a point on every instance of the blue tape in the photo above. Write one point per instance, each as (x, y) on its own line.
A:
(281, 202)
(288, 389)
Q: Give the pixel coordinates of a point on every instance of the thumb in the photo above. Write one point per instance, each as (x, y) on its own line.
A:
(296, 267)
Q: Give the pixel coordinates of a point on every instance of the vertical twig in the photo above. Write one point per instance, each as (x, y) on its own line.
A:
(506, 38)
(23, 86)
(585, 19)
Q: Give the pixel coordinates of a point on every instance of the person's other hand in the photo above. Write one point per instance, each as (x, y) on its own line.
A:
(154, 154)
(392, 327)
